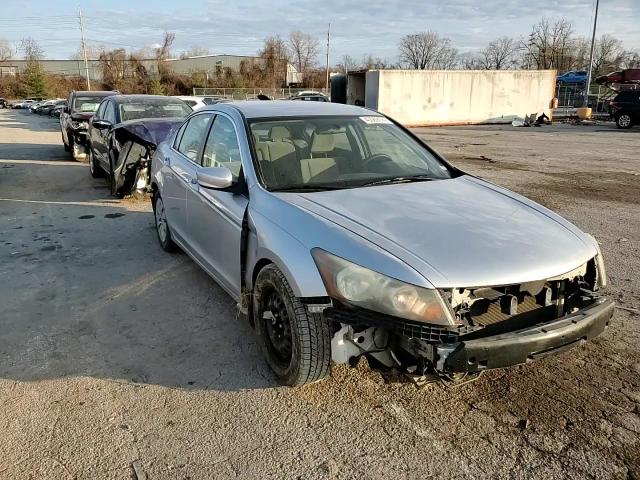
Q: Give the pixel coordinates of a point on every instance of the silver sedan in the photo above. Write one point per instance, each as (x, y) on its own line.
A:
(341, 234)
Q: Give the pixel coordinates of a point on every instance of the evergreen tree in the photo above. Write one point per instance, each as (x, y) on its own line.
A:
(34, 79)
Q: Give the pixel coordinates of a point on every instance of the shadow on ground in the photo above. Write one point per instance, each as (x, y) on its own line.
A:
(86, 289)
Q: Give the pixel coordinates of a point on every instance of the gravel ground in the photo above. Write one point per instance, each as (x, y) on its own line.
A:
(118, 360)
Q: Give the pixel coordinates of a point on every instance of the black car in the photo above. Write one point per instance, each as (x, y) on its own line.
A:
(74, 120)
(4, 103)
(311, 97)
(125, 132)
(625, 108)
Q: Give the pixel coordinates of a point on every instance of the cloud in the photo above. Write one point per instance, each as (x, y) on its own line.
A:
(358, 28)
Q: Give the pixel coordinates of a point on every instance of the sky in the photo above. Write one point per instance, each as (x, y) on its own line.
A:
(358, 28)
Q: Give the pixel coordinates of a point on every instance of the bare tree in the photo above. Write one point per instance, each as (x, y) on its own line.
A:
(276, 58)
(427, 51)
(31, 50)
(348, 64)
(163, 52)
(608, 55)
(500, 54)
(550, 45)
(195, 51)
(304, 50)
(631, 59)
(6, 52)
(470, 61)
(93, 51)
(374, 63)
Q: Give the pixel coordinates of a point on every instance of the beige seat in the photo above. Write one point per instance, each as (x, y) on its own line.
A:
(279, 162)
(322, 145)
(321, 166)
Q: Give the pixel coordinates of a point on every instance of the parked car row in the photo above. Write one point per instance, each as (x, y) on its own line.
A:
(340, 234)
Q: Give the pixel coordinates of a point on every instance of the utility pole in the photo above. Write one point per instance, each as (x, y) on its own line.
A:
(84, 48)
(593, 44)
(328, 44)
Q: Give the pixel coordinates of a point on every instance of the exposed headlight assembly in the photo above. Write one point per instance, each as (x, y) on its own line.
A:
(359, 286)
(602, 271)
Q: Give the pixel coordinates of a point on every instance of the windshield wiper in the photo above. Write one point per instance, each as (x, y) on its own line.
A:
(386, 181)
(308, 188)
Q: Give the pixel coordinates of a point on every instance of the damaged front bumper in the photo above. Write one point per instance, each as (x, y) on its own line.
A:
(466, 349)
(525, 345)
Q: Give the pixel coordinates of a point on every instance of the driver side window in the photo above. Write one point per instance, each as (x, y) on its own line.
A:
(100, 111)
(193, 136)
(222, 148)
(109, 113)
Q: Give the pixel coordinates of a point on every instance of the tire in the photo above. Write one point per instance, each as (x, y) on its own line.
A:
(624, 121)
(162, 226)
(95, 169)
(112, 182)
(67, 147)
(295, 342)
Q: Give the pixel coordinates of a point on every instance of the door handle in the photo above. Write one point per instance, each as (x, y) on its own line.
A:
(167, 161)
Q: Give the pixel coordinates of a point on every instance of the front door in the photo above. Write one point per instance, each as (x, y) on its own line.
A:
(179, 173)
(215, 216)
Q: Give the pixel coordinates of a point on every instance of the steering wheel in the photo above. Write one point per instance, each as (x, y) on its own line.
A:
(375, 161)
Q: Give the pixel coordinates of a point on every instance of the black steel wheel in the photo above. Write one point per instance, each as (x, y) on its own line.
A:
(296, 343)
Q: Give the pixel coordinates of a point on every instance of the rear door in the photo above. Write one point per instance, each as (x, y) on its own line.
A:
(101, 147)
(215, 216)
(179, 173)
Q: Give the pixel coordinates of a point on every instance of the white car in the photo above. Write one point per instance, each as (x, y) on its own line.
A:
(194, 102)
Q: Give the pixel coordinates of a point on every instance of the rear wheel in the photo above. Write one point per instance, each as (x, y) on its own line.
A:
(95, 169)
(624, 121)
(162, 227)
(295, 342)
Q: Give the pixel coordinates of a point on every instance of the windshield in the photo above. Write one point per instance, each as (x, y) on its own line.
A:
(339, 152)
(154, 109)
(86, 104)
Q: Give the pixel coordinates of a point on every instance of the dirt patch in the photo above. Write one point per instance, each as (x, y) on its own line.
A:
(606, 186)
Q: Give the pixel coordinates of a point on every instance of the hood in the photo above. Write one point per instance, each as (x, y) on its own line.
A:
(150, 131)
(85, 116)
(462, 232)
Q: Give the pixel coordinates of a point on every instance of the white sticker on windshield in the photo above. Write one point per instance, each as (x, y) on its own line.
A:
(376, 120)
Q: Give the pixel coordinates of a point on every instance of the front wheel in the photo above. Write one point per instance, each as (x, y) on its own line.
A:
(115, 191)
(67, 146)
(624, 121)
(295, 342)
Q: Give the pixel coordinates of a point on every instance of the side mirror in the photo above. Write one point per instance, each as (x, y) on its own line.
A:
(215, 177)
(100, 124)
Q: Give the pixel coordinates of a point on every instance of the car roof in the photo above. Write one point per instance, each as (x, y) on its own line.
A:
(287, 108)
(92, 93)
(187, 97)
(139, 98)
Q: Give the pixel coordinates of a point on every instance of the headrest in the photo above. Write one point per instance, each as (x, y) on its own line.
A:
(323, 143)
(279, 133)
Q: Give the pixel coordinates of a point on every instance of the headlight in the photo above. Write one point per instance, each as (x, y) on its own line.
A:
(79, 125)
(359, 286)
(602, 272)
